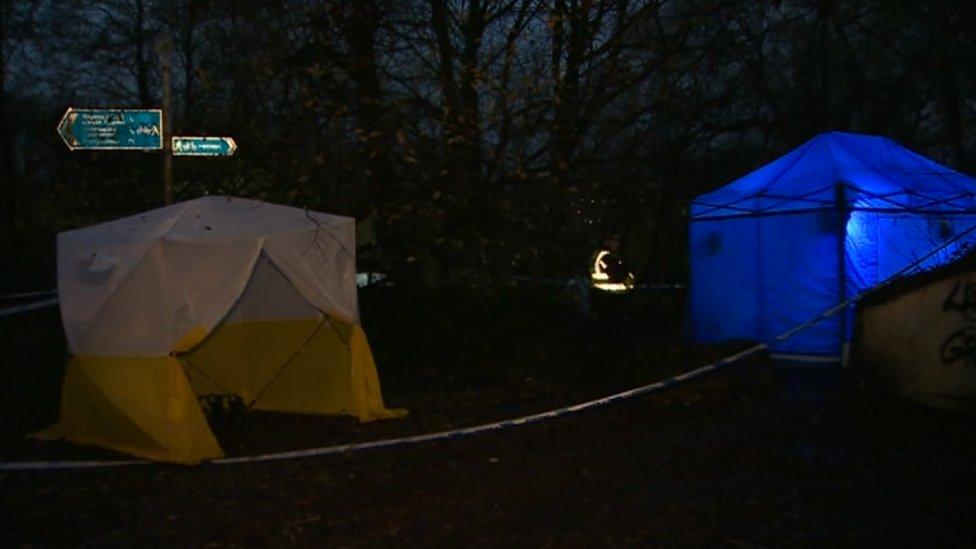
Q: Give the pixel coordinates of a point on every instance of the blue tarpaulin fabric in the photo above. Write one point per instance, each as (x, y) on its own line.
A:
(833, 217)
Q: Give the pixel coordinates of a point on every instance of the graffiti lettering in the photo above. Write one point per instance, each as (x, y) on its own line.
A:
(966, 304)
(960, 346)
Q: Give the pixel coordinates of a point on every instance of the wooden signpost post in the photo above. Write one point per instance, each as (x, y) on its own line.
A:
(136, 130)
(140, 130)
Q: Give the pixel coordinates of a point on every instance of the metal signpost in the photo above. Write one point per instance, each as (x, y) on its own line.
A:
(164, 48)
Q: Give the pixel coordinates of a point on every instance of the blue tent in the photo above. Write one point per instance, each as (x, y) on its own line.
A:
(833, 217)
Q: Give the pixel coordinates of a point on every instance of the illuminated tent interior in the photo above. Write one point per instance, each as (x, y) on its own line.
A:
(833, 217)
(215, 296)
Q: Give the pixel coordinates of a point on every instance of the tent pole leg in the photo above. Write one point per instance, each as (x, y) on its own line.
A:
(840, 202)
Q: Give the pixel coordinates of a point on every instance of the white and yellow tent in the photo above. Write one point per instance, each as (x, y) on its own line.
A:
(213, 296)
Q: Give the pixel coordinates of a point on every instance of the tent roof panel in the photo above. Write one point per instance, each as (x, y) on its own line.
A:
(205, 218)
(160, 276)
(868, 166)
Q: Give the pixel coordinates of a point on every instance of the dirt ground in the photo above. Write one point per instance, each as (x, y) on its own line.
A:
(759, 455)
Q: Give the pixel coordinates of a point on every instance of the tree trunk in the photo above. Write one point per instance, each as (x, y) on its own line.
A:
(469, 117)
(949, 87)
(6, 158)
(571, 37)
(446, 54)
(825, 120)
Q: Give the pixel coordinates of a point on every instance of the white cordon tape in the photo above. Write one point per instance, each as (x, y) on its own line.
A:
(660, 287)
(441, 435)
(52, 465)
(553, 281)
(572, 281)
(22, 295)
(498, 425)
(17, 309)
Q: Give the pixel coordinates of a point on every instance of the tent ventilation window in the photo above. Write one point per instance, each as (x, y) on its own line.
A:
(713, 243)
(944, 230)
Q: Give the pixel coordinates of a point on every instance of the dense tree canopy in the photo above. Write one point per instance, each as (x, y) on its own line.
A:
(469, 138)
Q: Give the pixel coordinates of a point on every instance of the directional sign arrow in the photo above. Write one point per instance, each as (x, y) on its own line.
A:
(112, 129)
(185, 145)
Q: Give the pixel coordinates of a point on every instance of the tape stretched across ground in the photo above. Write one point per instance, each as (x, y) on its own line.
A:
(17, 309)
(22, 295)
(441, 435)
(40, 304)
(586, 282)
(516, 422)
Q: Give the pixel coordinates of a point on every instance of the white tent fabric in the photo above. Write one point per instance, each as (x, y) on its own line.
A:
(161, 275)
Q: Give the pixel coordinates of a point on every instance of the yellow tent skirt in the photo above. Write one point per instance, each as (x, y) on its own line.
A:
(148, 406)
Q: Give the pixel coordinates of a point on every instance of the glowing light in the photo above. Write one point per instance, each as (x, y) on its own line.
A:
(597, 272)
(600, 279)
(613, 286)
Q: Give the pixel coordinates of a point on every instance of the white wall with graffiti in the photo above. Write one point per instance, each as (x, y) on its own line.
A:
(919, 341)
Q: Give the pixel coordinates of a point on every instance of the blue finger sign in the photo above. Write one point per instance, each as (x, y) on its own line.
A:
(112, 129)
(203, 146)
